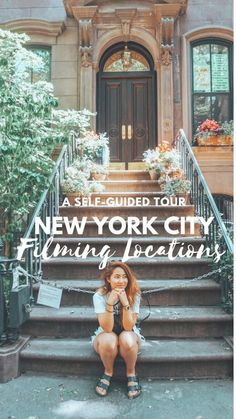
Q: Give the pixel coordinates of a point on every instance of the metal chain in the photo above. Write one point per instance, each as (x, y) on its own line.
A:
(38, 279)
(208, 274)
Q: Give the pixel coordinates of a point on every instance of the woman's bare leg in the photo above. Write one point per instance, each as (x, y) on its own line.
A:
(106, 345)
(128, 347)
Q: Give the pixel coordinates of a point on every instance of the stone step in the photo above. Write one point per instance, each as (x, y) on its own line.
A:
(128, 198)
(138, 165)
(163, 322)
(178, 291)
(181, 358)
(131, 185)
(91, 229)
(161, 212)
(128, 175)
(159, 267)
(118, 244)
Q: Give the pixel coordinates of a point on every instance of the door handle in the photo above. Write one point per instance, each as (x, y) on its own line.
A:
(129, 132)
(123, 132)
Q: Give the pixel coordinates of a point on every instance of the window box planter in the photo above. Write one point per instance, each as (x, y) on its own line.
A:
(215, 140)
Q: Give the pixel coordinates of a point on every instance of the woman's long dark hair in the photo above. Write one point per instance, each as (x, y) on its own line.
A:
(132, 286)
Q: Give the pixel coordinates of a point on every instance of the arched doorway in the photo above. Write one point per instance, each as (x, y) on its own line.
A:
(126, 101)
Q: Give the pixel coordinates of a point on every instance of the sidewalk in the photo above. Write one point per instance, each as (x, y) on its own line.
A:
(50, 397)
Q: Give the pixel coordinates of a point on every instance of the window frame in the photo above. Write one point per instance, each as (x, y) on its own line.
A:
(32, 47)
(211, 41)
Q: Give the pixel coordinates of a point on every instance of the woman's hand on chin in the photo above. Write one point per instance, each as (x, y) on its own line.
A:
(123, 297)
(113, 297)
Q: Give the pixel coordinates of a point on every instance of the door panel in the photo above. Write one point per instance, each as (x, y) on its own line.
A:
(127, 99)
(111, 116)
(139, 118)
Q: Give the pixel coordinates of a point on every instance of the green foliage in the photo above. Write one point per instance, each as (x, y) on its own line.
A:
(99, 169)
(174, 185)
(77, 179)
(228, 128)
(30, 127)
(93, 146)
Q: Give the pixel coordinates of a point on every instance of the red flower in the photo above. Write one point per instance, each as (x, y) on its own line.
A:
(209, 125)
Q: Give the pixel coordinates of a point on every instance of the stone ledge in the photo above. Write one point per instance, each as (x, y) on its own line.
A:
(9, 359)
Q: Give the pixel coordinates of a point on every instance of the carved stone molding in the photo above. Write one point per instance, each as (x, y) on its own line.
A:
(86, 42)
(85, 33)
(167, 39)
(166, 56)
(74, 6)
(179, 5)
(126, 16)
(104, 23)
(35, 26)
(86, 56)
(84, 12)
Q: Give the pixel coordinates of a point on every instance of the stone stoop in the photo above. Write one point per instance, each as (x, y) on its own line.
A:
(186, 326)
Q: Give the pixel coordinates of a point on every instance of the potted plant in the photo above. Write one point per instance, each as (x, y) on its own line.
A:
(210, 132)
(84, 165)
(228, 128)
(174, 183)
(169, 157)
(98, 172)
(96, 187)
(76, 183)
(151, 158)
(94, 147)
(160, 159)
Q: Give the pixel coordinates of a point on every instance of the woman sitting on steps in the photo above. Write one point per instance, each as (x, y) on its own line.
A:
(117, 306)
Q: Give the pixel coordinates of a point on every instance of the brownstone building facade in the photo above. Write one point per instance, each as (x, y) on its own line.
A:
(147, 68)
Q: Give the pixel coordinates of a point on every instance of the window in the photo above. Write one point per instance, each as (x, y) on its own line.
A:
(212, 84)
(44, 72)
(126, 60)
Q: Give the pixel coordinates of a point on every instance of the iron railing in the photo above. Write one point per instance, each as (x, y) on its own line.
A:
(225, 205)
(48, 206)
(206, 207)
(201, 197)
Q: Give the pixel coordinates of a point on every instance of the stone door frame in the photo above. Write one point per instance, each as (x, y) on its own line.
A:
(150, 25)
(124, 85)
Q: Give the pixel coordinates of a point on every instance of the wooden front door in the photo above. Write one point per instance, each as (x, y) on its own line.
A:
(127, 112)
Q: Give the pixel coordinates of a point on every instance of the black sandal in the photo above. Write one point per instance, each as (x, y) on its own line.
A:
(105, 386)
(134, 387)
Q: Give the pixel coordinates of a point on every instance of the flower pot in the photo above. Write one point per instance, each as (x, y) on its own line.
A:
(100, 177)
(153, 174)
(215, 140)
